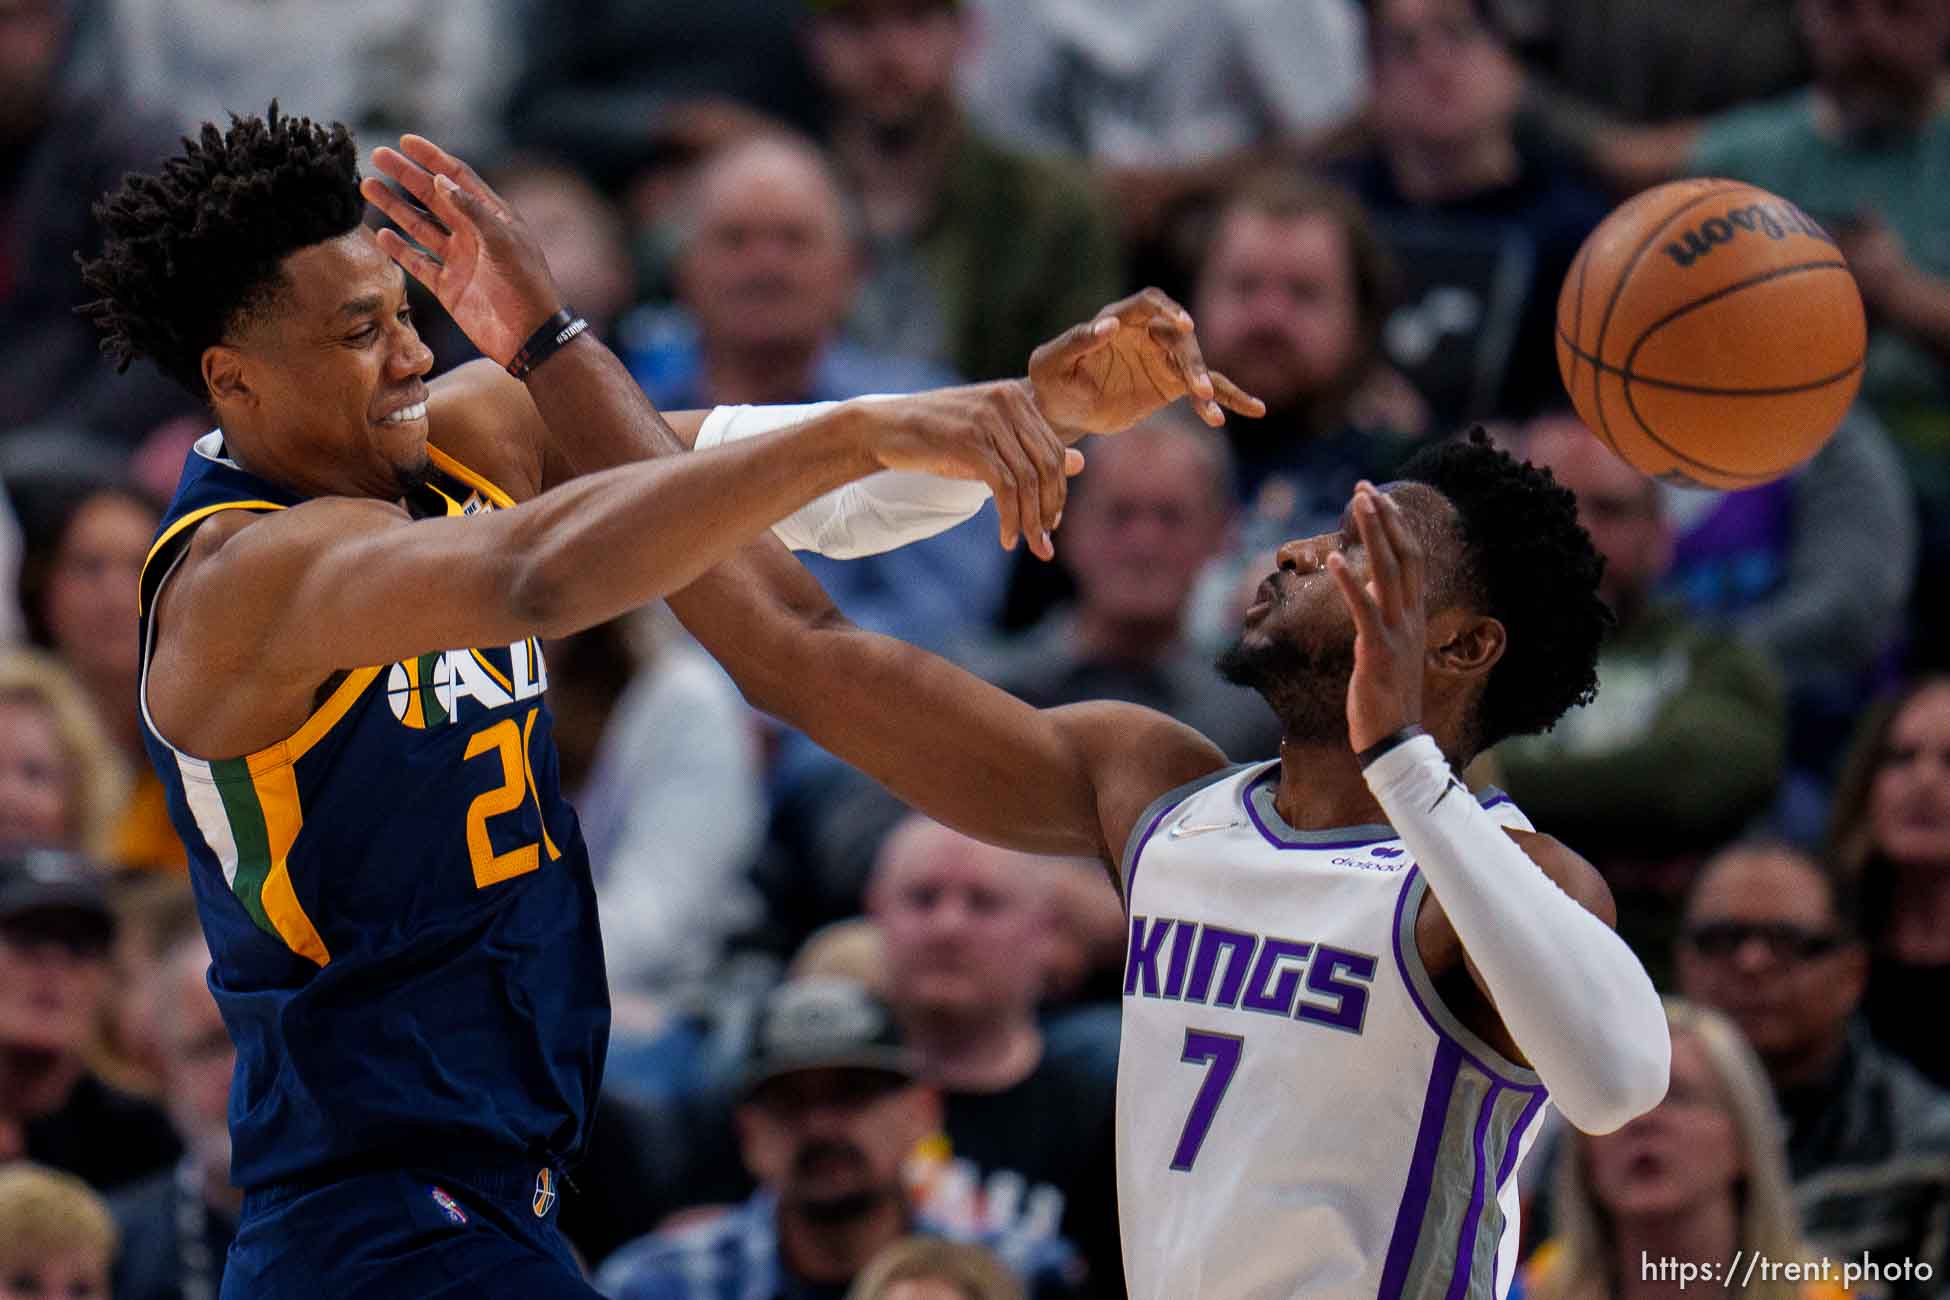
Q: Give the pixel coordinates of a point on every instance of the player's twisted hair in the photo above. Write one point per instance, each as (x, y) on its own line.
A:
(195, 247)
(1530, 565)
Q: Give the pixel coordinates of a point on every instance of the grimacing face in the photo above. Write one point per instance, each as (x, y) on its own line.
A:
(334, 371)
(1296, 645)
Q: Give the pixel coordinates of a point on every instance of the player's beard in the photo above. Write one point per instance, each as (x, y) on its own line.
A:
(1305, 686)
(408, 479)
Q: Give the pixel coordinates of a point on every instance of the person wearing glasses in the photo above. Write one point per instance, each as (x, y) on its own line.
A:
(1771, 938)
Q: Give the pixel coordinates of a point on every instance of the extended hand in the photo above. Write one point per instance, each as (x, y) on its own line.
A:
(990, 432)
(1134, 357)
(1390, 620)
(474, 252)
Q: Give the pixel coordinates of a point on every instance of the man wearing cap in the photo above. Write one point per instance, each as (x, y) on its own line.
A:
(55, 932)
(829, 1112)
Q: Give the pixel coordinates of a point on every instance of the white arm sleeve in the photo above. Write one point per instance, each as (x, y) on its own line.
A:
(874, 514)
(1572, 995)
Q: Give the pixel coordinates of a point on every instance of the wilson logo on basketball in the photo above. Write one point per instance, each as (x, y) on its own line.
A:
(1775, 220)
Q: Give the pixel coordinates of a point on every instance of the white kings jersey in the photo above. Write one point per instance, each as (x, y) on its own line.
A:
(1298, 1116)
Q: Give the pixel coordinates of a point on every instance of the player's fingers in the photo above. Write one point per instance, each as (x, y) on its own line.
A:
(422, 266)
(1073, 345)
(1407, 546)
(437, 160)
(402, 212)
(1028, 488)
(1384, 566)
(1236, 399)
(1367, 618)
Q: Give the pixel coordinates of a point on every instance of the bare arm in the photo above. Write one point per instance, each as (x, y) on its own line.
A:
(1059, 781)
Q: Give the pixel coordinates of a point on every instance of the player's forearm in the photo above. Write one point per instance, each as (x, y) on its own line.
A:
(942, 740)
(1572, 995)
(597, 415)
(608, 542)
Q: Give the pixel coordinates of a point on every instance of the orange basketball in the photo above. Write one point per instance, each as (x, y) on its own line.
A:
(1711, 333)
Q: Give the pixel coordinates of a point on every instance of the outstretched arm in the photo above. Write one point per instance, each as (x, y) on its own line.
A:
(1570, 993)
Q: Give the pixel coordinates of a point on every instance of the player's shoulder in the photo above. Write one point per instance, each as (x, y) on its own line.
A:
(1570, 870)
(1135, 756)
(483, 418)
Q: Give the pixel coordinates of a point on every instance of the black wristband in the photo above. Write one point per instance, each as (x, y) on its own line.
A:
(1392, 740)
(555, 333)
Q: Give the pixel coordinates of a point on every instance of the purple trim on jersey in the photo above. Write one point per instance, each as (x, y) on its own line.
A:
(1421, 1171)
(1441, 1031)
(1130, 880)
(1472, 1217)
(1266, 832)
(1515, 1143)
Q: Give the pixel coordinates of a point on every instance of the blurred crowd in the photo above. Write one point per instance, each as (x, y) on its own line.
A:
(856, 1054)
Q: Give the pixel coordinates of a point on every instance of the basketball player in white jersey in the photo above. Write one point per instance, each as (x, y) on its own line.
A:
(1351, 987)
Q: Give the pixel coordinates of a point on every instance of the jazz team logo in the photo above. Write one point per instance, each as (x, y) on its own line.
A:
(544, 1192)
(432, 690)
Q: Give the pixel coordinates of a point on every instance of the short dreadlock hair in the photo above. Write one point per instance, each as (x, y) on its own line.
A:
(1529, 564)
(194, 249)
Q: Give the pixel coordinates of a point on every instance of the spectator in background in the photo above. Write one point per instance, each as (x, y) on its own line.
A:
(1814, 570)
(1483, 223)
(1290, 295)
(55, 932)
(1153, 510)
(383, 67)
(57, 1239)
(61, 785)
(152, 910)
(927, 1268)
(61, 147)
(1683, 745)
(86, 540)
(651, 733)
(1027, 1105)
(1603, 62)
(974, 254)
(1864, 150)
(1890, 835)
(1770, 940)
(1168, 100)
(625, 90)
(1698, 1178)
(176, 1228)
(831, 1109)
(1290, 291)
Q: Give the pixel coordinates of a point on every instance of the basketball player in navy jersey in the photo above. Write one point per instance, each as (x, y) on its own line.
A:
(1351, 987)
(343, 679)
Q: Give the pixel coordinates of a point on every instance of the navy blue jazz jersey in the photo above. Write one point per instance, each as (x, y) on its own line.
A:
(401, 921)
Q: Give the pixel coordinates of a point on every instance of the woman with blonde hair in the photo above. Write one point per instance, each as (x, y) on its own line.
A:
(1889, 833)
(1699, 1179)
(61, 782)
(56, 1236)
(933, 1268)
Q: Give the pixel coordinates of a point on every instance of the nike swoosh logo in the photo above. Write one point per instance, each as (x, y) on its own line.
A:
(1183, 829)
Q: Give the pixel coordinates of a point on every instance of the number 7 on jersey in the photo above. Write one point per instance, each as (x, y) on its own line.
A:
(1220, 1052)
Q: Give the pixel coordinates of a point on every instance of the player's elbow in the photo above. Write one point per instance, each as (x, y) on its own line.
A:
(539, 595)
(1625, 1082)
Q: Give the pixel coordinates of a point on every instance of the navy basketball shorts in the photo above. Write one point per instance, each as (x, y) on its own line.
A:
(426, 1234)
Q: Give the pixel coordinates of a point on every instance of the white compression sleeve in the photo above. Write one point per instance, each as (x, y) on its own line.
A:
(874, 514)
(1571, 993)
